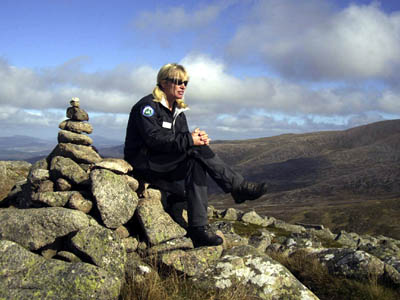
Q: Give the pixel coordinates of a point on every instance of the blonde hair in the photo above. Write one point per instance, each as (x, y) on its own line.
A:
(174, 71)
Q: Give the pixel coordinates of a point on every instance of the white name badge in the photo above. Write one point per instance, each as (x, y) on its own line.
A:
(167, 125)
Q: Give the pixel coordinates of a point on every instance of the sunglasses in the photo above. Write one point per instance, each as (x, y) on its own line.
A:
(177, 81)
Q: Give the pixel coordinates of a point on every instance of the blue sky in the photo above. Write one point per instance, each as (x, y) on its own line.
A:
(257, 68)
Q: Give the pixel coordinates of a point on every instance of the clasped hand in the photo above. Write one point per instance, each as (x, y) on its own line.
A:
(200, 137)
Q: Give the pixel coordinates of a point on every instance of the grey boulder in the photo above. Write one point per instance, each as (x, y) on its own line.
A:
(35, 228)
(115, 199)
(28, 276)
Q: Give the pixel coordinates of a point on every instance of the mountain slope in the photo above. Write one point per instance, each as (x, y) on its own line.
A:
(362, 159)
(346, 179)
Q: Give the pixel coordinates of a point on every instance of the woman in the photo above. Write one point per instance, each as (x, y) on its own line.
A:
(166, 154)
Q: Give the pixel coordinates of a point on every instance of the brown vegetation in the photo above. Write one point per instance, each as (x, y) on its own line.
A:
(327, 287)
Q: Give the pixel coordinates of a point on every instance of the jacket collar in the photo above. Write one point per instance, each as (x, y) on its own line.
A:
(176, 110)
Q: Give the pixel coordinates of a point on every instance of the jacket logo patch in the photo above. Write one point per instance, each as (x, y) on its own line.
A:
(148, 111)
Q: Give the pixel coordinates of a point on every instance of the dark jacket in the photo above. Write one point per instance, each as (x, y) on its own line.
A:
(157, 139)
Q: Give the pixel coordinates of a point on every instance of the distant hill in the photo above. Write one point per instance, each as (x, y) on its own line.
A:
(114, 151)
(20, 147)
(104, 142)
(360, 160)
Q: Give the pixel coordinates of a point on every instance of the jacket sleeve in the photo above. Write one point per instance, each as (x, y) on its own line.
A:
(162, 139)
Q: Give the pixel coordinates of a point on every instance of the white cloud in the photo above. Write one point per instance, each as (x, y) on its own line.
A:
(312, 40)
(222, 103)
(390, 102)
(216, 91)
(107, 91)
(177, 18)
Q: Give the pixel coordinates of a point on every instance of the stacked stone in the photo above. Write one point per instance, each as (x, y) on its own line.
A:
(72, 142)
(56, 181)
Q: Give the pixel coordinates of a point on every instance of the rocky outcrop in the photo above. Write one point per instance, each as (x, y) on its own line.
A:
(28, 276)
(158, 225)
(260, 273)
(115, 199)
(10, 173)
(36, 228)
(80, 227)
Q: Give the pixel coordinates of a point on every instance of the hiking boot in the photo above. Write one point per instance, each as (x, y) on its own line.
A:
(201, 237)
(249, 191)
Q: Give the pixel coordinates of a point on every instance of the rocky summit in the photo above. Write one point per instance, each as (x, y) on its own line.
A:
(77, 226)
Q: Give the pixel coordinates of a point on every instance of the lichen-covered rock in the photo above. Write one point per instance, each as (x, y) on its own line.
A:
(224, 226)
(158, 226)
(122, 232)
(350, 263)
(288, 227)
(78, 153)
(386, 249)
(48, 253)
(252, 217)
(10, 173)
(76, 126)
(233, 240)
(53, 199)
(65, 136)
(28, 276)
(77, 114)
(78, 202)
(268, 221)
(392, 275)
(115, 199)
(130, 244)
(37, 176)
(46, 186)
(349, 240)
(20, 196)
(231, 214)
(35, 228)
(75, 102)
(115, 164)
(15, 194)
(210, 211)
(259, 273)
(136, 271)
(104, 248)
(304, 240)
(261, 241)
(192, 262)
(67, 256)
(182, 243)
(40, 164)
(63, 185)
(132, 182)
(324, 234)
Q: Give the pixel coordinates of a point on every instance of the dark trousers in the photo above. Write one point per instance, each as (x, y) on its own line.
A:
(189, 181)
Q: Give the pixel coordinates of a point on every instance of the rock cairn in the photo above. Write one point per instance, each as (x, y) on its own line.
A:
(79, 227)
(72, 142)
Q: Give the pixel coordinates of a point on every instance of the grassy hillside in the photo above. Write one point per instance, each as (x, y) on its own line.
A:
(344, 179)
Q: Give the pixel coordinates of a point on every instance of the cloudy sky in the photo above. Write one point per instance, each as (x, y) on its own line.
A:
(257, 68)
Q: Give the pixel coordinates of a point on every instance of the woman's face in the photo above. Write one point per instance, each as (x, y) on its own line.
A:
(174, 88)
